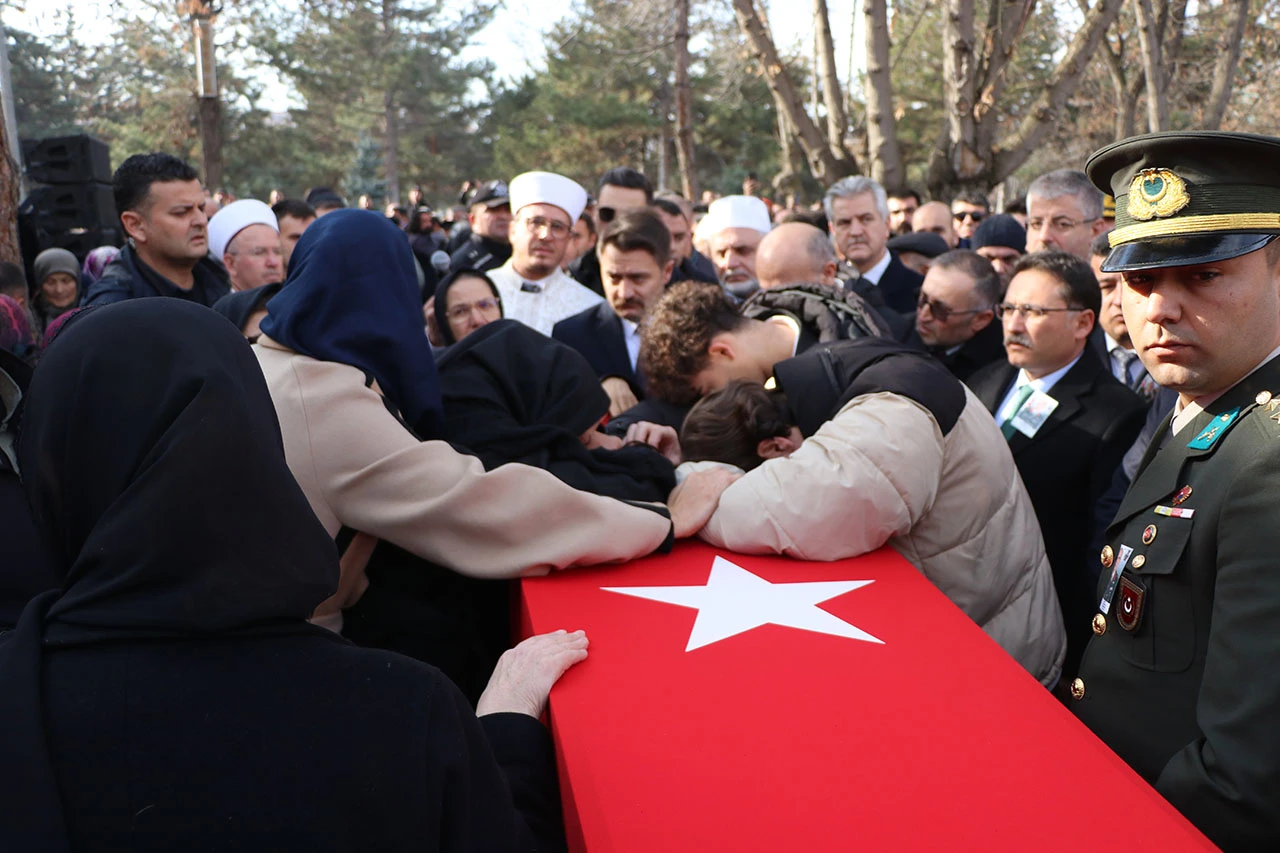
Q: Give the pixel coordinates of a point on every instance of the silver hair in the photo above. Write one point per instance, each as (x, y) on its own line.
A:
(852, 186)
(819, 249)
(1069, 182)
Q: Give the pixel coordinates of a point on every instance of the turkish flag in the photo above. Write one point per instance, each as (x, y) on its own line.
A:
(761, 703)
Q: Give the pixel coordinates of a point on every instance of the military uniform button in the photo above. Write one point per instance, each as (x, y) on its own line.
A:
(1263, 398)
(1108, 556)
(1139, 561)
(1099, 624)
(1077, 688)
(1149, 534)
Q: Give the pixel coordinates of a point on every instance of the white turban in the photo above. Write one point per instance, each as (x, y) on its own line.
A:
(548, 188)
(233, 219)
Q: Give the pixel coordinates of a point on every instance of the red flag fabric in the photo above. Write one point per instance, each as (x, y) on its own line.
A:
(858, 716)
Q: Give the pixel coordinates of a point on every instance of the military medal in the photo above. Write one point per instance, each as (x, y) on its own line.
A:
(1172, 512)
(1149, 534)
(1182, 495)
(1129, 611)
(1122, 559)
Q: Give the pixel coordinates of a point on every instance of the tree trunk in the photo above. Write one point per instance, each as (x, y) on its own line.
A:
(1224, 70)
(391, 146)
(684, 107)
(1152, 66)
(965, 165)
(882, 133)
(208, 105)
(832, 97)
(210, 116)
(10, 173)
(664, 134)
(825, 163)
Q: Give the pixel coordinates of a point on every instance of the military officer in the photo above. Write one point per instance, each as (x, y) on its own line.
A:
(1182, 675)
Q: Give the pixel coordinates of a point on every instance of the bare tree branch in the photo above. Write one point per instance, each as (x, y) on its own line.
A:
(1225, 68)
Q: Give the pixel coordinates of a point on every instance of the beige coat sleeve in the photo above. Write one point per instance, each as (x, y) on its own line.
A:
(867, 475)
(372, 475)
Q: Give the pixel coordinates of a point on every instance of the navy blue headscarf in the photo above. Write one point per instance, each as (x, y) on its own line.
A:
(352, 297)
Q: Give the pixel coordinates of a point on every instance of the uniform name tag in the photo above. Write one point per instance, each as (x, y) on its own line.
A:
(1174, 511)
(1034, 412)
(1122, 560)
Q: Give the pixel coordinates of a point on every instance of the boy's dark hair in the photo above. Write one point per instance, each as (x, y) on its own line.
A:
(293, 207)
(133, 178)
(639, 229)
(904, 192)
(1076, 281)
(728, 425)
(675, 338)
(975, 199)
(628, 178)
(13, 282)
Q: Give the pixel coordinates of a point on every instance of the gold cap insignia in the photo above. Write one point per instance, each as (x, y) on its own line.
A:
(1156, 192)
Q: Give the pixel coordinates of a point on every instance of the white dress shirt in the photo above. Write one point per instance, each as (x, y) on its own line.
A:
(1043, 384)
(555, 298)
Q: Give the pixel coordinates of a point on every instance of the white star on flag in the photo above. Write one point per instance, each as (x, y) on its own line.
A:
(734, 601)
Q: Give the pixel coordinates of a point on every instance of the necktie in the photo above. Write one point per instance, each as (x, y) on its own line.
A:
(1018, 402)
(1123, 360)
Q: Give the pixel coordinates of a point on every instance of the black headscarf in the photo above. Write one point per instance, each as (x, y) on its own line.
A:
(442, 299)
(352, 297)
(512, 394)
(155, 470)
(238, 307)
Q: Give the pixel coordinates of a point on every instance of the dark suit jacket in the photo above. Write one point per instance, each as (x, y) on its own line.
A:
(900, 286)
(1066, 467)
(984, 348)
(597, 334)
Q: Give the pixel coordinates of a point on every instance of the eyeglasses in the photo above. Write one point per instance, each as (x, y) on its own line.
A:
(972, 215)
(540, 224)
(1058, 225)
(943, 312)
(484, 306)
(606, 214)
(1025, 311)
(262, 252)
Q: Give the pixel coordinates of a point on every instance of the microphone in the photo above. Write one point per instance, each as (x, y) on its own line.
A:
(440, 261)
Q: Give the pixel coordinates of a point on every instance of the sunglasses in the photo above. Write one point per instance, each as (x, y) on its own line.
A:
(973, 215)
(606, 214)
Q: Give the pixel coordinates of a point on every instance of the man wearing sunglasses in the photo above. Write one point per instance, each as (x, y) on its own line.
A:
(967, 211)
(1066, 418)
(620, 190)
(956, 315)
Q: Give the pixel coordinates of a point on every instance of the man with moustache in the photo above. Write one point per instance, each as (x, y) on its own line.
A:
(1180, 677)
(858, 216)
(246, 237)
(1064, 213)
(903, 203)
(956, 317)
(161, 206)
(1067, 420)
(635, 263)
(733, 228)
(533, 287)
(967, 212)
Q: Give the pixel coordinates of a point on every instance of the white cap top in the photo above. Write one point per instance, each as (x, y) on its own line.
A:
(548, 188)
(233, 219)
(736, 211)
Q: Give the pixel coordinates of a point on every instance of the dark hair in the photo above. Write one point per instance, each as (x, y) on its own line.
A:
(1100, 247)
(294, 208)
(133, 179)
(675, 339)
(669, 207)
(639, 229)
(1018, 205)
(326, 198)
(12, 279)
(586, 219)
(624, 176)
(904, 192)
(816, 218)
(1077, 283)
(973, 199)
(728, 425)
(986, 281)
(442, 299)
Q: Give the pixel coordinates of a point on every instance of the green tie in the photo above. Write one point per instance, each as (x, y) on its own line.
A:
(1021, 400)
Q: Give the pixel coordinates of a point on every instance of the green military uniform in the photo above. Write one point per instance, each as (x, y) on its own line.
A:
(1182, 675)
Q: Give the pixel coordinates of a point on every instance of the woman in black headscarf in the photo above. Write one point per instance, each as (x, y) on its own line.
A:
(171, 695)
(465, 301)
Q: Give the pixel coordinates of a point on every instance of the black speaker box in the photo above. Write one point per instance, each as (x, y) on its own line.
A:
(90, 207)
(67, 160)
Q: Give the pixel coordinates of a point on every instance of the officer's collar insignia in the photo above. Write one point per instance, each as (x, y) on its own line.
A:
(1156, 192)
(1209, 436)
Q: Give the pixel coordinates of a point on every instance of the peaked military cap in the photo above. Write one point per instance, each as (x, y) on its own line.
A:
(1192, 197)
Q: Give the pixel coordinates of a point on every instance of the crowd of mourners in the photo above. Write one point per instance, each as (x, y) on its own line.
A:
(257, 583)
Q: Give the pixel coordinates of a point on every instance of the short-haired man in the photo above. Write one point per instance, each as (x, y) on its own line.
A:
(956, 316)
(1123, 361)
(918, 249)
(620, 189)
(1180, 677)
(13, 283)
(246, 238)
(489, 244)
(1000, 239)
(292, 218)
(935, 218)
(677, 214)
(635, 261)
(967, 211)
(534, 289)
(858, 215)
(962, 516)
(903, 203)
(733, 228)
(1064, 212)
(325, 200)
(161, 206)
(1067, 419)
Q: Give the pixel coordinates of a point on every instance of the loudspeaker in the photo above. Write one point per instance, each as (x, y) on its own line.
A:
(67, 160)
(88, 207)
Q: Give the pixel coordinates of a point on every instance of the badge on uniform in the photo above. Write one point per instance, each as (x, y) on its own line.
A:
(1033, 413)
(1116, 563)
(1129, 607)
(1209, 436)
